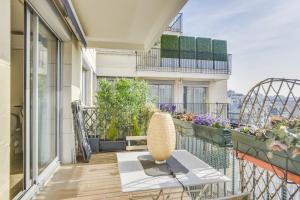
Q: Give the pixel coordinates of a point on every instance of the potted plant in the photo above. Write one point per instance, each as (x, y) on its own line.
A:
(183, 123)
(215, 130)
(121, 107)
(277, 144)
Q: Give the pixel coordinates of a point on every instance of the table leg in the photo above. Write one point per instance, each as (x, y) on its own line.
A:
(196, 193)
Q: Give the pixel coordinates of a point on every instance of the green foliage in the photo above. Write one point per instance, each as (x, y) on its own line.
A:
(120, 105)
(136, 127)
(169, 46)
(187, 47)
(219, 48)
(203, 49)
(112, 133)
(105, 99)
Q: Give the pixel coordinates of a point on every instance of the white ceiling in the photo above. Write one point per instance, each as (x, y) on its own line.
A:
(125, 24)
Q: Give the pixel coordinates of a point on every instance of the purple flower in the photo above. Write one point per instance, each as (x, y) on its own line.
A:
(167, 108)
(208, 120)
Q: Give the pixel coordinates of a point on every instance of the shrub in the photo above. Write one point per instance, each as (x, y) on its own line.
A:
(121, 107)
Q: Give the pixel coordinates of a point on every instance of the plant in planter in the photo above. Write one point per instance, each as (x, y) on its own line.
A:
(216, 130)
(121, 107)
(183, 123)
(278, 143)
(170, 108)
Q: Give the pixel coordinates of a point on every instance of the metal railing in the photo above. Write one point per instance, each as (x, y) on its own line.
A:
(220, 158)
(176, 24)
(160, 60)
(245, 175)
(214, 109)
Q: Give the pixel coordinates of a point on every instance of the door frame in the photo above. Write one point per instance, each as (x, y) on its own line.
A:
(32, 178)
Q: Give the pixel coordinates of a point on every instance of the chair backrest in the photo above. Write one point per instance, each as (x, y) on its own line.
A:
(138, 140)
(80, 131)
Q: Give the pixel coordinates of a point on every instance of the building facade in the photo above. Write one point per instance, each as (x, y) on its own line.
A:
(187, 71)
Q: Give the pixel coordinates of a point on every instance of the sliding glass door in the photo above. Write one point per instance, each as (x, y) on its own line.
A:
(42, 75)
(47, 96)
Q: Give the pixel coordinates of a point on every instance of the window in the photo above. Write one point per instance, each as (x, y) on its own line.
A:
(84, 86)
(194, 99)
(162, 93)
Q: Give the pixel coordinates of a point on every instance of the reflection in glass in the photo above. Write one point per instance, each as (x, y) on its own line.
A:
(161, 93)
(47, 76)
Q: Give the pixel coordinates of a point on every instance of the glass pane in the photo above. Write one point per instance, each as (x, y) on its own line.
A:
(47, 70)
(154, 92)
(16, 122)
(195, 98)
(84, 85)
(165, 94)
(17, 101)
(199, 99)
(189, 99)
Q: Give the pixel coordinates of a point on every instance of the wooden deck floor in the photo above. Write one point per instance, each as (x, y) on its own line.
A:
(98, 179)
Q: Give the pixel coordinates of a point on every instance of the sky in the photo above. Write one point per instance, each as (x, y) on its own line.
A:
(263, 36)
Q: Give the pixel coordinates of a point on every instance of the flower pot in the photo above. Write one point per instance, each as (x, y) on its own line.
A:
(108, 146)
(219, 136)
(184, 127)
(249, 145)
(94, 144)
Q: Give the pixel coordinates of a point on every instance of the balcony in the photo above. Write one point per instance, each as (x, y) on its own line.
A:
(159, 60)
(251, 170)
(176, 24)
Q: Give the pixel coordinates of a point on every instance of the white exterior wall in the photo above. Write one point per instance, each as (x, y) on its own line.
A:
(116, 63)
(89, 63)
(72, 62)
(217, 92)
(74, 59)
(5, 99)
(120, 63)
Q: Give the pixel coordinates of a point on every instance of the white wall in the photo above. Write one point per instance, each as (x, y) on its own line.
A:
(5, 98)
(218, 91)
(72, 66)
(116, 63)
(183, 75)
(89, 63)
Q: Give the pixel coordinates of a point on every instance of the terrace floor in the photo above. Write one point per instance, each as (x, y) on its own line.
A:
(98, 179)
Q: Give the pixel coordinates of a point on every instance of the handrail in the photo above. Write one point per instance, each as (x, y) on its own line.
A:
(164, 60)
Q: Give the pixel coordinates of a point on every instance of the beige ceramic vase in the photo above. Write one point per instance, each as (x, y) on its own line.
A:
(161, 136)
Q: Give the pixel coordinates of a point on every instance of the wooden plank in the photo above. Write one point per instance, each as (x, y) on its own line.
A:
(136, 138)
(99, 179)
(137, 147)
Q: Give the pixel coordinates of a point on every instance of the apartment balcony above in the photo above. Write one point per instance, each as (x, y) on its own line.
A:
(159, 60)
(176, 24)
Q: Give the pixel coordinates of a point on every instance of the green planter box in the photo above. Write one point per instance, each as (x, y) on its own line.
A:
(203, 49)
(258, 149)
(169, 46)
(184, 127)
(187, 47)
(217, 136)
(219, 48)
